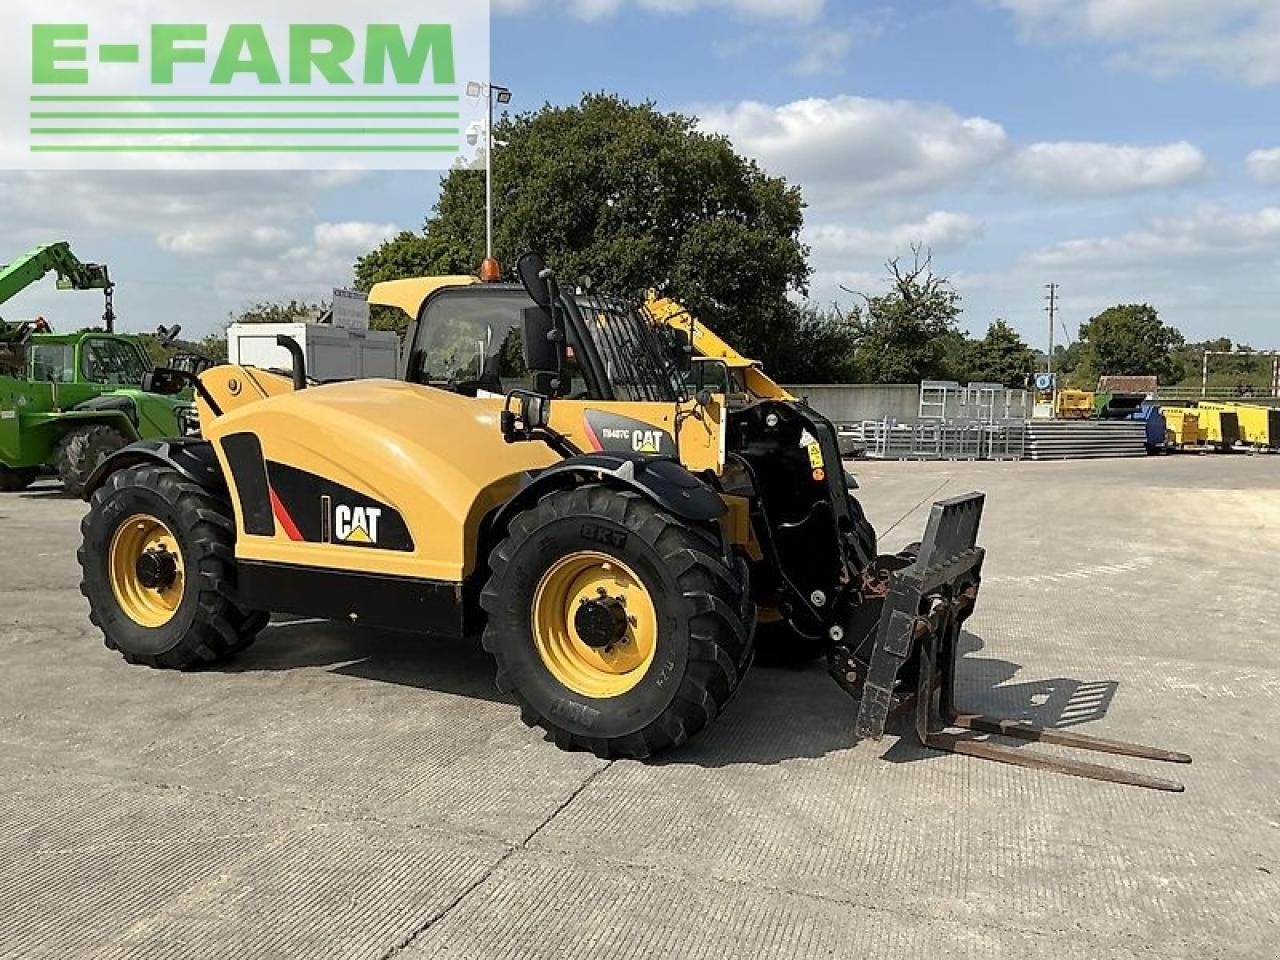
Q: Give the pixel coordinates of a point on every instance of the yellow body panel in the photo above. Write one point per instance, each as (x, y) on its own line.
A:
(409, 295)
(736, 524)
(437, 458)
(699, 436)
(235, 386)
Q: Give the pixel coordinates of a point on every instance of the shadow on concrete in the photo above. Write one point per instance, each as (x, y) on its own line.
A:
(984, 687)
(45, 493)
(777, 714)
(781, 715)
(459, 667)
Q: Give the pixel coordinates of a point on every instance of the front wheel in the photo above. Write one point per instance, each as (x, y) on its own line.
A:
(158, 564)
(620, 628)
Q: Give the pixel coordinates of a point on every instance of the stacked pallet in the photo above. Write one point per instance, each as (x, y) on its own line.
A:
(1085, 439)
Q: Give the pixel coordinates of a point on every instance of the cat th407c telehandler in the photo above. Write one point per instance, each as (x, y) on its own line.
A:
(602, 489)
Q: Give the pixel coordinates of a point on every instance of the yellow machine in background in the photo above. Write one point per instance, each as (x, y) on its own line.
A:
(1182, 427)
(1218, 427)
(1074, 405)
(1259, 426)
(1201, 426)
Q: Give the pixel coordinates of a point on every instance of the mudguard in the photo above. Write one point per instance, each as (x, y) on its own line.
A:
(661, 479)
(194, 459)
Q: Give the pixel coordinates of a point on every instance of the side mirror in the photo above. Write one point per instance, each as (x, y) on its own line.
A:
(535, 411)
(536, 279)
(164, 381)
(543, 343)
(712, 376)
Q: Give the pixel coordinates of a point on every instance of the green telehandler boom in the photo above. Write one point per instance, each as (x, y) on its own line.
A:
(69, 400)
(73, 274)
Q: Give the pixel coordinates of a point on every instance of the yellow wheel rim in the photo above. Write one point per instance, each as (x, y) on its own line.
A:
(599, 672)
(151, 605)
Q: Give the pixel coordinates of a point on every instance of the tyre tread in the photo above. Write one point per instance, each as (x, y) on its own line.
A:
(719, 610)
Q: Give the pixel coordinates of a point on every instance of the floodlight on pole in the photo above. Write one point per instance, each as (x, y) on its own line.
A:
(488, 91)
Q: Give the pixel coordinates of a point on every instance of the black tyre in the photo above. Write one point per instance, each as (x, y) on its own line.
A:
(158, 570)
(619, 628)
(14, 479)
(248, 624)
(778, 644)
(80, 452)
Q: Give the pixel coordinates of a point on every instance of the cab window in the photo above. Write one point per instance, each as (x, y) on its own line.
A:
(53, 362)
(472, 343)
(113, 362)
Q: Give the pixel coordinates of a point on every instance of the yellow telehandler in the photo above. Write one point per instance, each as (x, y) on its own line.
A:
(601, 489)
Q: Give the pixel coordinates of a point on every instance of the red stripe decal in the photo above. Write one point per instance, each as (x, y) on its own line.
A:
(282, 515)
(596, 445)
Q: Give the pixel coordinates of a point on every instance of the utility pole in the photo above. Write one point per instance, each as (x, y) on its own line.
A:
(490, 270)
(1053, 317)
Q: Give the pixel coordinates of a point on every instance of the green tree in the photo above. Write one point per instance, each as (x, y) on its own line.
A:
(1244, 371)
(1002, 356)
(633, 198)
(814, 345)
(909, 334)
(1130, 339)
(270, 311)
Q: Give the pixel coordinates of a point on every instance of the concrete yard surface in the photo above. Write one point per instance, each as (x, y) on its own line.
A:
(337, 792)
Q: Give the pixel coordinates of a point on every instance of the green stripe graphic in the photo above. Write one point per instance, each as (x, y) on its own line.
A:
(243, 131)
(243, 99)
(241, 148)
(241, 115)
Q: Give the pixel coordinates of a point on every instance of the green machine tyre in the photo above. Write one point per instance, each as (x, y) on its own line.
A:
(80, 451)
(14, 480)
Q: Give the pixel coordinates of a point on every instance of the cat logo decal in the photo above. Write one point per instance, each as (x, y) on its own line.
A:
(356, 524)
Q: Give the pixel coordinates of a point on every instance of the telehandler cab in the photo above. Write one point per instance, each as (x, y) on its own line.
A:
(560, 473)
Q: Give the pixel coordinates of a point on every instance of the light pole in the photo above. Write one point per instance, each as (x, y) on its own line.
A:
(490, 270)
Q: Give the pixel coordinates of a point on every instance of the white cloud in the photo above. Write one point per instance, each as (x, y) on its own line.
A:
(1210, 233)
(223, 238)
(187, 244)
(1264, 166)
(1237, 37)
(1102, 168)
(306, 271)
(846, 149)
(824, 51)
(352, 238)
(940, 230)
(181, 210)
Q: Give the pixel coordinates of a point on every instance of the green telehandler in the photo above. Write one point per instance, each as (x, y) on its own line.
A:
(68, 401)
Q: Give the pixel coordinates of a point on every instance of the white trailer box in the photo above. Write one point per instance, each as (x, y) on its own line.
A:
(333, 353)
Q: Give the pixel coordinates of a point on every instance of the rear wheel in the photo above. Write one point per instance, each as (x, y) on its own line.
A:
(80, 452)
(619, 628)
(14, 479)
(159, 571)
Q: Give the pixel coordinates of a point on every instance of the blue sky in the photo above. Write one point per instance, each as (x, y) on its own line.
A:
(1126, 149)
